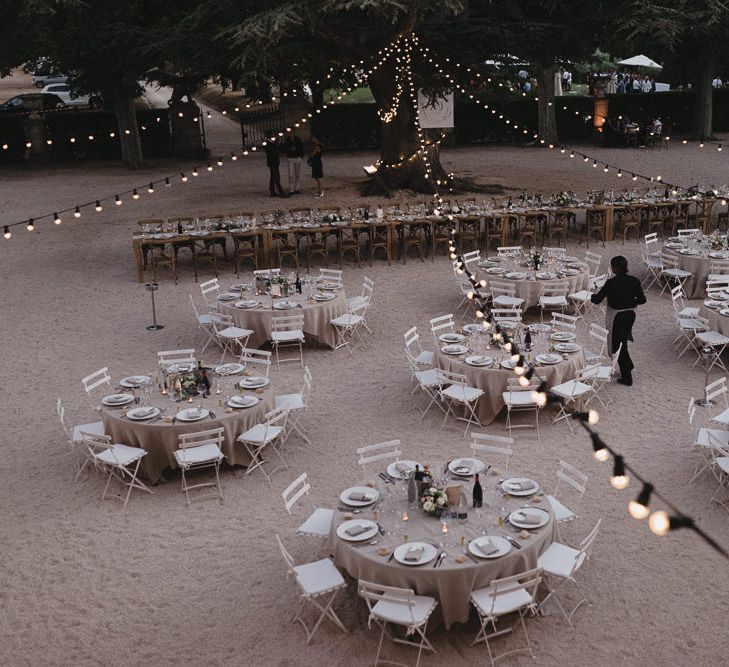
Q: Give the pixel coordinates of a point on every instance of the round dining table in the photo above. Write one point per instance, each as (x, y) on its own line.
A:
(460, 572)
(159, 436)
(493, 379)
(718, 320)
(257, 312)
(528, 282)
(697, 261)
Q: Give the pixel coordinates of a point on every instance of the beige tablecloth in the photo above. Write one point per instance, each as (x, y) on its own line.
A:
(160, 439)
(717, 321)
(451, 583)
(699, 266)
(317, 316)
(493, 381)
(531, 288)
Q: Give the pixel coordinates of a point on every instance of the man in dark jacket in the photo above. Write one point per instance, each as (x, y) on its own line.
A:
(273, 162)
(623, 293)
(294, 150)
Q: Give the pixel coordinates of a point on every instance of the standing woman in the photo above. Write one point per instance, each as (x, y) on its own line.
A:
(623, 294)
(314, 161)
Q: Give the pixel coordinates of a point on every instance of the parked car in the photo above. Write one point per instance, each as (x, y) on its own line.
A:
(42, 77)
(63, 90)
(32, 102)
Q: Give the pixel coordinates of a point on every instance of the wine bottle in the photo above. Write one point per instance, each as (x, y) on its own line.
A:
(367, 213)
(418, 473)
(462, 511)
(528, 340)
(412, 491)
(298, 284)
(179, 227)
(477, 493)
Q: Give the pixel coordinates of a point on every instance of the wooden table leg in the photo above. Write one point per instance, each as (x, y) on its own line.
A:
(266, 236)
(505, 229)
(137, 245)
(610, 224)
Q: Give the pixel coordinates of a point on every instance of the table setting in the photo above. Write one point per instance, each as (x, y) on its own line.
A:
(253, 305)
(159, 407)
(695, 253)
(416, 527)
(487, 366)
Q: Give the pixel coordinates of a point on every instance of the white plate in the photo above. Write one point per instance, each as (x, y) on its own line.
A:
(243, 401)
(238, 287)
(180, 368)
(473, 328)
(724, 311)
(715, 305)
(284, 305)
(549, 359)
(503, 546)
(516, 275)
(479, 361)
(563, 336)
(495, 270)
(165, 235)
(332, 287)
(508, 363)
(344, 496)
(254, 382)
(570, 258)
(140, 414)
(192, 414)
(246, 304)
(539, 327)
(229, 369)
(546, 275)
(689, 251)
(475, 466)
(366, 535)
(451, 338)
(454, 349)
(718, 254)
(567, 347)
(324, 296)
(543, 518)
(495, 258)
(506, 488)
(393, 472)
(134, 381)
(569, 272)
(117, 399)
(429, 553)
(227, 296)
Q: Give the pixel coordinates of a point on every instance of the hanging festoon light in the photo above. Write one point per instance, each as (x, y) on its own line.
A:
(77, 212)
(619, 478)
(97, 206)
(150, 188)
(56, 219)
(117, 200)
(183, 177)
(167, 182)
(638, 508)
(135, 194)
(30, 226)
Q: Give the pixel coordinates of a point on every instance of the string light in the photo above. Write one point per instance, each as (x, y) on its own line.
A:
(167, 182)
(6, 232)
(150, 188)
(77, 212)
(619, 479)
(638, 508)
(183, 177)
(97, 207)
(56, 219)
(117, 200)
(30, 226)
(135, 194)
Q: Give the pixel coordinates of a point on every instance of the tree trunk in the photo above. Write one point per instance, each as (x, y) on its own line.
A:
(131, 145)
(547, 118)
(703, 98)
(402, 166)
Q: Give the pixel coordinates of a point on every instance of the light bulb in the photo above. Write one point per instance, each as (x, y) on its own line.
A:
(523, 380)
(135, 194)
(659, 522)
(194, 171)
(56, 219)
(601, 454)
(117, 200)
(635, 178)
(6, 232)
(210, 167)
(183, 177)
(150, 189)
(638, 508)
(167, 182)
(98, 206)
(30, 226)
(593, 417)
(619, 479)
(219, 162)
(77, 212)
(540, 398)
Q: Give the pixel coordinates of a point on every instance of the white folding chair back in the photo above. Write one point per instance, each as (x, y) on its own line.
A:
(210, 290)
(266, 273)
(564, 322)
(493, 447)
(203, 449)
(423, 359)
(169, 357)
(260, 358)
(688, 232)
(554, 252)
(331, 276)
(568, 493)
(471, 258)
(288, 331)
(441, 325)
(264, 434)
(718, 390)
(507, 316)
(520, 398)
(97, 379)
(503, 295)
(385, 452)
(455, 393)
(509, 250)
(593, 260)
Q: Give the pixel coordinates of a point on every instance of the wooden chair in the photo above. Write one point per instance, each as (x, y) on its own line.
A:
(595, 221)
(722, 220)
(286, 246)
(246, 248)
(527, 226)
(469, 230)
(556, 226)
(679, 217)
(412, 235)
(348, 242)
(701, 215)
(380, 238)
(215, 218)
(440, 235)
(150, 226)
(162, 256)
(187, 224)
(656, 220)
(631, 220)
(493, 231)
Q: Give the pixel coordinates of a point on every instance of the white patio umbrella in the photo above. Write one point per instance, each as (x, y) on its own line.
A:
(640, 61)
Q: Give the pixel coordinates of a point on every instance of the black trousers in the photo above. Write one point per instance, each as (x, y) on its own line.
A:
(622, 333)
(274, 182)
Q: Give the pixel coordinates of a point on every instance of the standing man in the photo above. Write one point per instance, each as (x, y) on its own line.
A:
(294, 155)
(623, 294)
(273, 161)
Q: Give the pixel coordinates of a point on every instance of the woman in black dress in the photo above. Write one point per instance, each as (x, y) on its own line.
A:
(314, 161)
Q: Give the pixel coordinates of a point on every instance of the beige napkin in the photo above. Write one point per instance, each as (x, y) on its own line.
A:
(486, 546)
(357, 529)
(361, 495)
(528, 518)
(521, 486)
(464, 467)
(413, 554)
(403, 468)
(145, 412)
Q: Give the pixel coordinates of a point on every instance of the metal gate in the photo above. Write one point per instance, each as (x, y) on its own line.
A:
(256, 123)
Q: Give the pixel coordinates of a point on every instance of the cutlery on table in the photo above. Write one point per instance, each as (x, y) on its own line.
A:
(472, 557)
(513, 542)
(392, 555)
(351, 510)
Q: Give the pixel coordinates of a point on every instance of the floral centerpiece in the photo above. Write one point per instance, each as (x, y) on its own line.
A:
(536, 258)
(565, 198)
(186, 385)
(434, 501)
(331, 217)
(716, 241)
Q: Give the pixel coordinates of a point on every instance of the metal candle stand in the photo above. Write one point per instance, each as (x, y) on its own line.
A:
(706, 353)
(152, 288)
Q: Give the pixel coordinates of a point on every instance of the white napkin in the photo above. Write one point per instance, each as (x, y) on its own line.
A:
(403, 468)
(361, 495)
(520, 486)
(486, 546)
(464, 467)
(413, 554)
(144, 412)
(528, 518)
(357, 529)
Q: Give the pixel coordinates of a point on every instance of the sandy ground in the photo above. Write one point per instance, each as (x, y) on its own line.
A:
(86, 582)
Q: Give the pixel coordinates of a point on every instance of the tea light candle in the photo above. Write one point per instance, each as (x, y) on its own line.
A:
(444, 528)
(189, 399)
(405, 517)
(218, 390)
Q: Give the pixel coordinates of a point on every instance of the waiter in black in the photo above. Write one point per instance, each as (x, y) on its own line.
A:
(273, 161)
(623, 294)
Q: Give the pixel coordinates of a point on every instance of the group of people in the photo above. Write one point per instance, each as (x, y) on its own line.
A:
(622, 83)
(293, 149)
(617, 129)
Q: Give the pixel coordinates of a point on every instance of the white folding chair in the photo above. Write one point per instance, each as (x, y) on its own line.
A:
(347, 327)
(509, 250)
(553, 296)
(204, 325)
(229, 336)
(570, 487)
(720, 469)
(260, 358)
(652, 260)
(508, 595)
(492, 447)
(458, 393)
(297, 404)
(74, 439)
(681, 310)
(554, 252)
(386, 452)
(706, 442)
(507, 317)
(100, 378)
(597, 333)
(398, 606)
(266, 273)
(429, 382)
(520, 398)
(262, 435)
(210, 290)
(717, 287)
(574, 394)
(442, 325)
(564, 322)
(470, 258)
(599, 375)
(319, 520)
(120, 462)
(671, 274)
(560, 563)
(200, 450)
(714, 341)
(355, 302)
(319, 583)
(423, 358)
(593, 261)
(333, 276)
(688, 232)
(288, 332)
(503, 295)
(168, 358)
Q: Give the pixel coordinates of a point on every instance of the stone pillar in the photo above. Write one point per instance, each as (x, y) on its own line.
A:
(34, 128)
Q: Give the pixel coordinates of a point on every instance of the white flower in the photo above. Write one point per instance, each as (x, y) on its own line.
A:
(432, 490)
(441, 501)
(428, 506)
